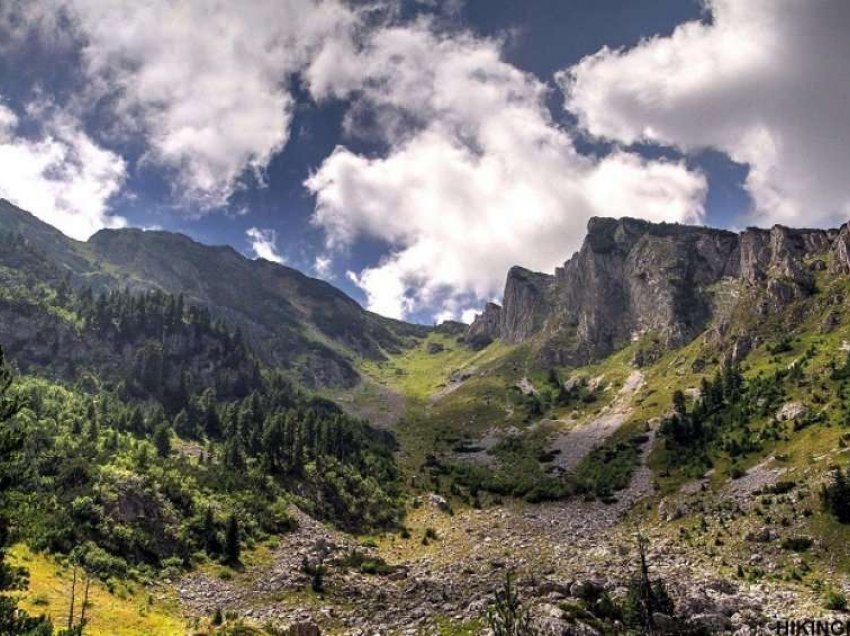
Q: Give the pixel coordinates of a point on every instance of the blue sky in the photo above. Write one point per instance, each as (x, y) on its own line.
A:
(410, 153)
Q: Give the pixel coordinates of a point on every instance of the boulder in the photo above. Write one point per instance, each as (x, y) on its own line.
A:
(435, 347)
(304, 629)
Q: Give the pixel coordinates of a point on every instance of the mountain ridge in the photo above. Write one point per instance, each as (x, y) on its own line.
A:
(631, 277)
(292, 318)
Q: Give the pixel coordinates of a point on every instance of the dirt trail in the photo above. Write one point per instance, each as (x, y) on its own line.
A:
(575, 445)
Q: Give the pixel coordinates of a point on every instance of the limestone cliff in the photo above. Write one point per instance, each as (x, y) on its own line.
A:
(633, 277)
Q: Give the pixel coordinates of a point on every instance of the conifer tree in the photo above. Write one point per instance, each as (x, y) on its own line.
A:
(232, 548)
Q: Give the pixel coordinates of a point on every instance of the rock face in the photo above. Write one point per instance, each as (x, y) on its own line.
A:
(633, 277)
(487, 324)
(525, 304)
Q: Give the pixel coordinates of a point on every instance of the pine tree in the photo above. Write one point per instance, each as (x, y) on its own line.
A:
(836, 495)
(232, 548)
(162, 440)
(209, 532)
(679, 403)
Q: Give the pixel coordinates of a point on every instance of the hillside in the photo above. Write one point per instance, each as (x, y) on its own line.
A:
(694, 371)
(290, 319)
(686, 384)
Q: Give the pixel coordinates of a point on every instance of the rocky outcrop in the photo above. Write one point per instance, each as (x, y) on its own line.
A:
(633, 277)
(841, 251)
(487, 324)
(526, 302)
(777, 257)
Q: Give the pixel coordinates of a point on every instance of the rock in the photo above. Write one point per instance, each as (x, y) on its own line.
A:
(830, 322)
(486, 326)
(722, 586)
(665, 624)
(304, 629)
(841, 251)
(695, 603)
(580, 589)
(554, 588)
(525, 304)
(670, 511)
(439, 502)
(713, 623)
(435, 347)
(762, 535)
(633, 277)
(740, 348)
(790, 411)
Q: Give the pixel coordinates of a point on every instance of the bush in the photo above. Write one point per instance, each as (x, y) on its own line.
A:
(835, 601)
(508, 616)
(366, 564)
(797, 544)
(102, 564)
(736, 472)
(779, 488)
(836, 496)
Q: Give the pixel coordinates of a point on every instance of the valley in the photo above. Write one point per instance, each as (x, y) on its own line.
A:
(263, 456)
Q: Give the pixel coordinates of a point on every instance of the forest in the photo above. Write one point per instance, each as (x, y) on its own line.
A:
(172, 446)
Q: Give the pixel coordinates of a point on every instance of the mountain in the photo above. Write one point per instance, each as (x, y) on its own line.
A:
(633, 278)
(290, 319)
(653, 436)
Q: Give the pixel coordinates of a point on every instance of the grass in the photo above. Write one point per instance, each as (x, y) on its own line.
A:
(130, 611)
(452, 627)
(805, 454)
(416, 373)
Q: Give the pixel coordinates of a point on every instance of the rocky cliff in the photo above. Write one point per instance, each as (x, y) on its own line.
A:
(633, 277)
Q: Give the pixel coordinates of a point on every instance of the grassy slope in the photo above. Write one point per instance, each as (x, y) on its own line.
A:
(441, 416)
(129, 611)
(419, 374)
(806, 455)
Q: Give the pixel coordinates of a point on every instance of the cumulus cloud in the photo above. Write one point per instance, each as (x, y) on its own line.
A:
(477, 176)
(204, 82)
(58, 174)
(765, 81)
(264, 244)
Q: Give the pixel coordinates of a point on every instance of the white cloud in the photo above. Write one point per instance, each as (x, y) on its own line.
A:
(442, 316)
(468, 315)
(765, 81)
(204, 81)
(456, 309)
(323, 266)
(60, 174)
(477, 178)
(264, 244)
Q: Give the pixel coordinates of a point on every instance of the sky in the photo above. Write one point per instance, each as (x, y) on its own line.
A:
(411, 151)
